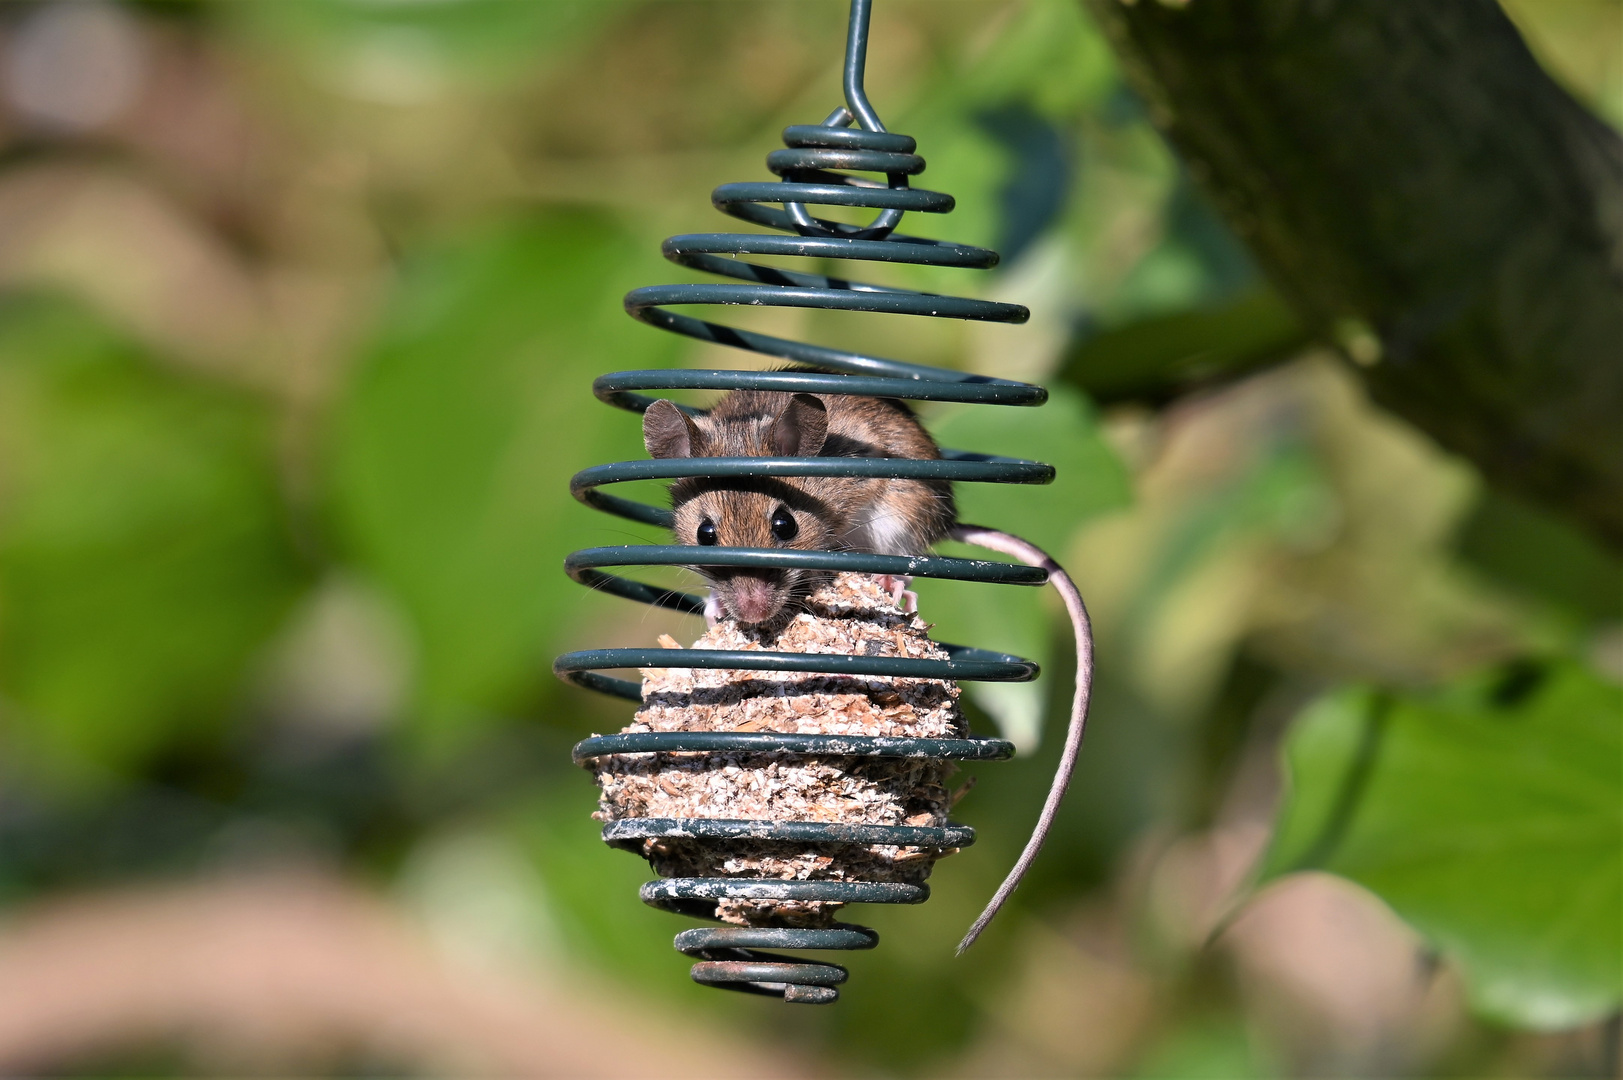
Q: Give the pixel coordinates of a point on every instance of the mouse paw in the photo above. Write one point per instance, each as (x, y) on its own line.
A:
(712, 610)
(903, 597)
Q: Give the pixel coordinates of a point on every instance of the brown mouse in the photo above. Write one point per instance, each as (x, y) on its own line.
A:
(877, 515)
(886, 516)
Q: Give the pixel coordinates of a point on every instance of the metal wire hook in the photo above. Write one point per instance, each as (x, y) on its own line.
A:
(856, 108)
(856, 64)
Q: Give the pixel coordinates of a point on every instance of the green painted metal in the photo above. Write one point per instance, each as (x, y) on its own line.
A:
(851, 138)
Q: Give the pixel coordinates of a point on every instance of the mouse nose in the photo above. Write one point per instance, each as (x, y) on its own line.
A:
(753, 600)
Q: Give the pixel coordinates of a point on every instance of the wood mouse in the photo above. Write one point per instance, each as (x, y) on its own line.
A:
(867, 514)
(884, 516)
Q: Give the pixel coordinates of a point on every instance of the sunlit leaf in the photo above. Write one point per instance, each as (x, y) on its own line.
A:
(1489, 816)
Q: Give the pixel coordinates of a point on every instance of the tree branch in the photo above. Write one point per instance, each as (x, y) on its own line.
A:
(1408, 169)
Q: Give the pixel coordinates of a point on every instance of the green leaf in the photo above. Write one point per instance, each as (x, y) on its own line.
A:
(1089, 480)
(1158, 358)
(1537, 554)
(144, 551)
(454, 452)
(1490, 816)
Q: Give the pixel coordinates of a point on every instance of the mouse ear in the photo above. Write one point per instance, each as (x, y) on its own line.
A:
(668, 432)
(800, 429)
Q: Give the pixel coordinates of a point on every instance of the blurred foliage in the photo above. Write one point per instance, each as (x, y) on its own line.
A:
(296, 345)
(146, 554)
(1090, 481)
(1158, 358)
(1490, 815)
(461, 415)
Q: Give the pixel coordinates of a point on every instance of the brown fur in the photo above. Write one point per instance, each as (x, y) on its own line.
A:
(889, 517)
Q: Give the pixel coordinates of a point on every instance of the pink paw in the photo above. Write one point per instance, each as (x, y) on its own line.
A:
(897, 586)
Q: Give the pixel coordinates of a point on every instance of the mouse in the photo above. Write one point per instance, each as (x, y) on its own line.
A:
(879, 515)
(875, 515)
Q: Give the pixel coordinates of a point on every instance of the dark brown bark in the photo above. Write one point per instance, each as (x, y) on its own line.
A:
(1409, 168)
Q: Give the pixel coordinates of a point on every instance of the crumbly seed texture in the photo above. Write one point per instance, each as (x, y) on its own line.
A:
(849, 614)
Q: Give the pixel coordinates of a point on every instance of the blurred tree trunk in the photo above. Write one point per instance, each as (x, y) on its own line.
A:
(1421, 191)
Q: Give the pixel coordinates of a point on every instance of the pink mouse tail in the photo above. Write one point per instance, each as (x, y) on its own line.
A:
(1032, 555)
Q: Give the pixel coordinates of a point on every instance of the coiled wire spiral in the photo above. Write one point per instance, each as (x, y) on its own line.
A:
(728, 956)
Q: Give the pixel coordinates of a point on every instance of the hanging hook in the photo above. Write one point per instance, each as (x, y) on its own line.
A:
(858, 109)
(856, 64)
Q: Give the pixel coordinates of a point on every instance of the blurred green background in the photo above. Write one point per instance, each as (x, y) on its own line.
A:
(300, 304)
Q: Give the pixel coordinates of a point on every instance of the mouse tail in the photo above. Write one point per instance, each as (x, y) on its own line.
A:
(1026, 552)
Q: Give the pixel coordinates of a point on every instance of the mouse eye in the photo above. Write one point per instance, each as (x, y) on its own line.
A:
(783, 524)
(707, 533)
